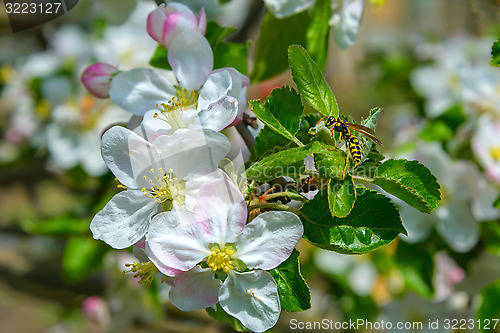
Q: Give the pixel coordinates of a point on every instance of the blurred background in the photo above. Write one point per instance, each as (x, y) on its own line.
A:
(425, 62)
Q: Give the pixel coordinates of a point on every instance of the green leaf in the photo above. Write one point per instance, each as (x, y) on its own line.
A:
(373, 222)
(215, 33)
(311, 83)
(82, 256)
(274, 38)
(284, 163)
(282, 111)
(266, 140)
(57, 226)
(496, 204)
(371, 122)
(160, 58)
(411, 182)
(221, 315)
(495, 53)
(330, 163)
(319, 31)
(292, 287)
(417, 267)
(489, 311)
(341, 196)
(231, 55)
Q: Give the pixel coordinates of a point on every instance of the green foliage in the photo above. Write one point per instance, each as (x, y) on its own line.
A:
(215, 33)
(266, 140)
(373, 222)
(231, 55)
(496, 204)
(330, 163)
(341, 196)
(292, 287)
(282, 112)
(274, 38)
(411, 182)
(82, 256)
(495, 53)
(371, 122)
(311, 83)
(416, 265)
(284, 163)
(489, 309)
(319, 31)
(160, 58)
(221, 315)
(57, 226)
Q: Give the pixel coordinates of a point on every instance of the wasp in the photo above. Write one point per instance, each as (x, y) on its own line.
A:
(352, 142)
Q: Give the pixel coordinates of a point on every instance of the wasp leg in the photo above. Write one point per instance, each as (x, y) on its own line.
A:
(345, 168)
(320, 121)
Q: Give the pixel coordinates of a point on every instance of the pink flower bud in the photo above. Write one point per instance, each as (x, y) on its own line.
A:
(164, 23)
(97, 78)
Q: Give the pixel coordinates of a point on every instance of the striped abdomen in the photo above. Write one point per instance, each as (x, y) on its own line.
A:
(354, 148)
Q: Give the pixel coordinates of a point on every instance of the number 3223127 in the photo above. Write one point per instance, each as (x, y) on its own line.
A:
(33, 8)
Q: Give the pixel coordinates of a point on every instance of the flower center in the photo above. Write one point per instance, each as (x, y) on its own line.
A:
(495, 152)
(171, 112)
(146, 271)
(165, 188)
(221, 259)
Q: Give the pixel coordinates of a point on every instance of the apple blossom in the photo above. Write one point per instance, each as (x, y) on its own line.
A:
(486, 146)
(198, 86)
(162, 175)
(165, 22)
(97, 78)
(218, 235)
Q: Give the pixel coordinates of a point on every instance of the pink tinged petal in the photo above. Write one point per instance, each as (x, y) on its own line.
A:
(126, 154)
(192, 152)
(238, 89)
(176, 241)
(269, 239)
(195, 289)
(217, 86)
(221, 207)
(193, 185)
(177, 23)
(202, 22)
(97, 78)
(140, 90)
(191, 59)
(155, 22)
(124, 220)
(219, 114)
(168, 271)
(252, 297)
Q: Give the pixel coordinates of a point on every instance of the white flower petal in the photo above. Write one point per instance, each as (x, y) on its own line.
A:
(252, 297)
(195, 289)
(190, 153)
(193, 185)
(223, 207)
(346, 23)
(220, 114)
(191, 59)
(176, 241)
(284, 8)
(457, 226)
(124, 220)
(269, 239)
(126, 154)
(217, 85)
(140, 90)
